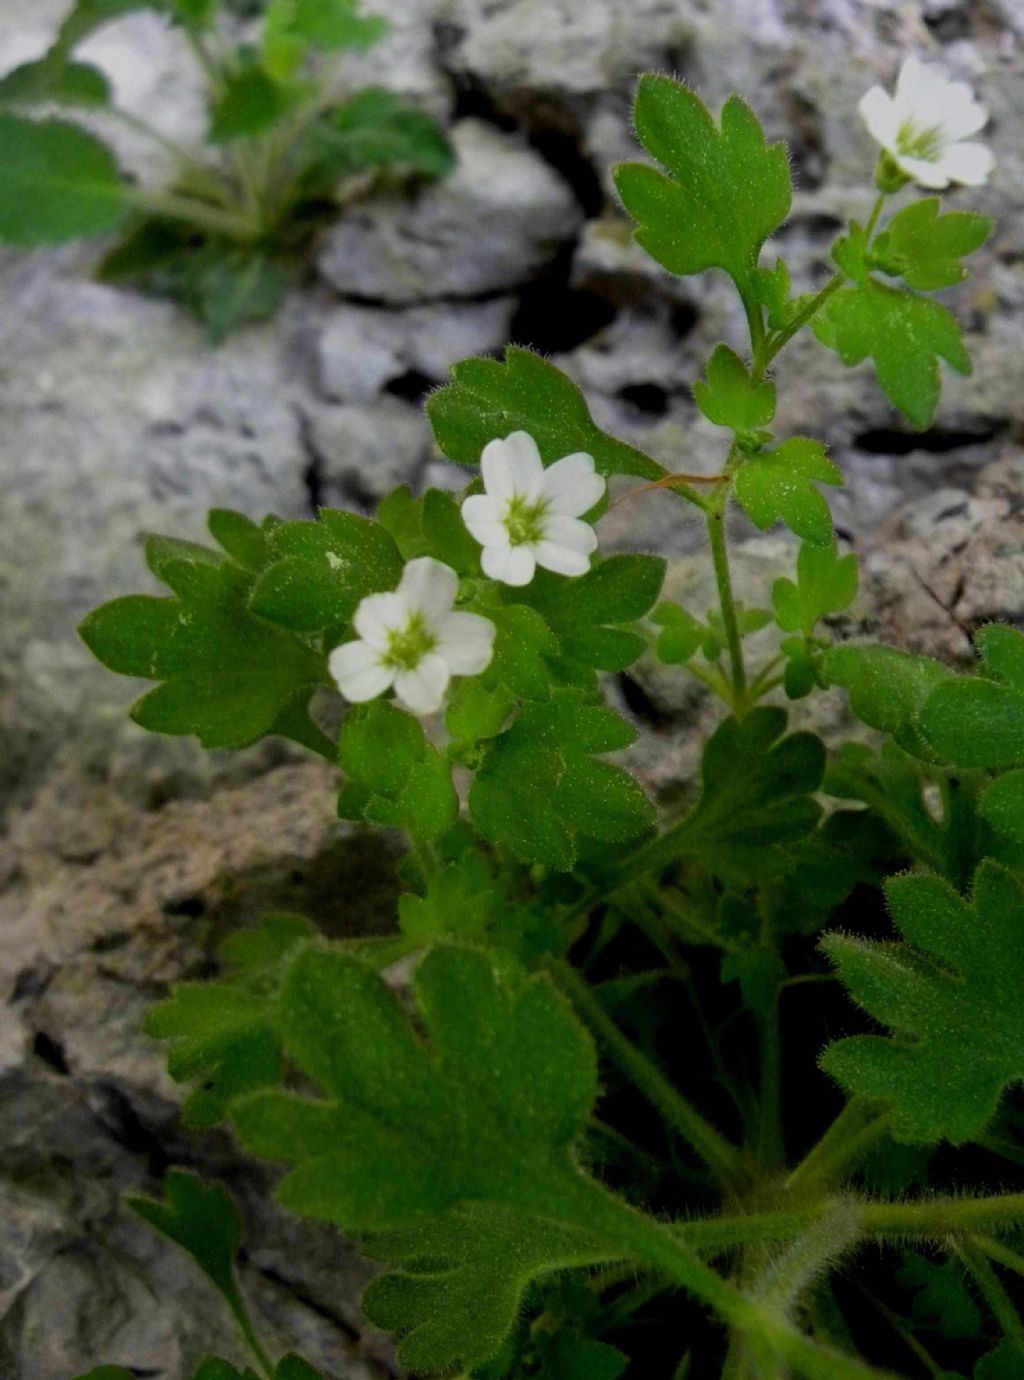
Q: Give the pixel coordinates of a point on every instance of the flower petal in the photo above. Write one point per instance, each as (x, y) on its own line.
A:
(571, 532)
(466, 642)
(512, 466)
(916, 83)
(513, 565)
(878, 111)
(422, 689)
(563, 560)
(429, 586)
(571, 485)
(925, 174)
(378, 615)
(358, 671)
(482, 515)
(969, 164)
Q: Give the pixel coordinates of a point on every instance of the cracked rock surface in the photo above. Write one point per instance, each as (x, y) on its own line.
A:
(124, 858)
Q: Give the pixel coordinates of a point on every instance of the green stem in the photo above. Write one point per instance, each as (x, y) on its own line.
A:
(779, 341)
(723, 579)
(637, 1234)
(186, 160)
(991, 1288)
(171, 206)
(854, 1130)
(938, 1217)
(719, 1154)
(791, 1275)
(771, 1150)
(876, 211)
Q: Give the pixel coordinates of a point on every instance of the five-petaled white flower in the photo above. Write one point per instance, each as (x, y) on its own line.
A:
(926, 127)
(414, 640)
(530, 515)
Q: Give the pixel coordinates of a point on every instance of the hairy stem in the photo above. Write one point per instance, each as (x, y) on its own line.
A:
(991, 1288)
(854, 1130)
(721, 1157)
(213, 219)
(723, 580)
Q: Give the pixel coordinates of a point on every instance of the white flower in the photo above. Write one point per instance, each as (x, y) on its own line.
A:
(413, 640)
(529, 515)
(927, 125)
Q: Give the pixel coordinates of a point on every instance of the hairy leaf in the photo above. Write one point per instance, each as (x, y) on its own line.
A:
(395, 776)
(825, 583)
(941, 1297)
(480, 1112)
(251, 102)
(540, 787)
(887, 689)
(1002, 806)
(228, 676)
(460, 1282)
(487, 399)
(726, 190)
(757, 796)
(780, 483)
(57, 182)
(224, 1033)
(951, 994)
(904, 335)
(202, 1219)
(925, 248)
(319, 571)
(978, 721)
(730, 397)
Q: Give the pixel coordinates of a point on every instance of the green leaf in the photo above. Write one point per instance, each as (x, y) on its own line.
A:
(771, 289)
(757, 796)
(978, 721)
(825, 583)
(244, 541)
(291, 26)
(1001, 1364)
(523, 646)
(568, 1356)
(202, 1220)
(501, 1091)
(467, 1129)
(1002, 806)
(71, 83)
(539, 788)
(730, 397)
(224, 1033)
(461, 1281)
(229, 288)
(460, 901)
(681, 634)
(941, 1297)
(586, 614)
(320, 571)
(56, 182)
(887, 688)
(251, 102)
(925, 248)
(487, 399)
(229, 677)
(377, 129)
(477, 710)
(195, 13)
(952, 1001)
(780, 483)
(89, 15)
(727, 192)
(904, 335)
(395, 776)
(107, 1373)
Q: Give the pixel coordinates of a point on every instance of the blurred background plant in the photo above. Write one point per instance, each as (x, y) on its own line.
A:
(286, 146)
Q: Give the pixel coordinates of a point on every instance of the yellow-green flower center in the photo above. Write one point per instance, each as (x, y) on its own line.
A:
(915, 142)
(409, 645)
(524, 521)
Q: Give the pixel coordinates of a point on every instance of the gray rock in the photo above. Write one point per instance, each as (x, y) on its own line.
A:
(363, 452)
(363, 349)
(488, 228)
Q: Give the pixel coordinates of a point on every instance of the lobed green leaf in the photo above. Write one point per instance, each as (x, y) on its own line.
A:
(488, 399)
(724, 192)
